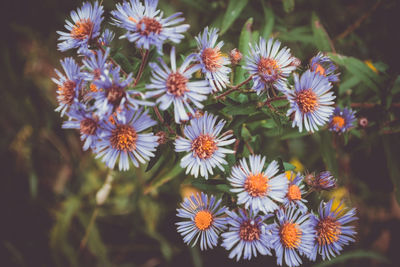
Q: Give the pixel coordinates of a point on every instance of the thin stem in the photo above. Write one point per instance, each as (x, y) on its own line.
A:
(272, 99)
(161, 119)
(308, 193)
(88, 229)
(249, 147)
(141, 68)
(371, 105)
(234, 88)
(243, 83)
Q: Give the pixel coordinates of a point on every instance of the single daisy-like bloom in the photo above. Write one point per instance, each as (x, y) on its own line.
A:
(322, 181)
(212, 61)
(310, 101)
(121, 140)
(96, 65)
(85, 26)
(324, 66)
(145, 24)
(341, 120)
(247, 235)
(332, 233)
(68, 85)
(204, 144)
(269, 66)
(106, 37)
(114, 96)
(294, 195)
(258, 189)
(293, 235)
(172, 86)
(86, 122)
(206, 220)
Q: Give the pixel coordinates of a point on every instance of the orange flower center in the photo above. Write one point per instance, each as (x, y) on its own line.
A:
(256, 185)
(176, 84)
(82, 29)
(211, 58)
(338, 121)
(115, 94)
(294, 193)
(203, 219)
(67, 92)
(147, 25)
(307, 100)
(88, 126)
(204, 146)
(319, 69)
(269, 66)
(328, 231)
(249, 231)
(123, 137)
(290, 235)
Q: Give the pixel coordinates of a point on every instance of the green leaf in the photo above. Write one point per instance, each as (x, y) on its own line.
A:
(322, 40)
(242, 109)
(244, 40)
(232, 13)
(392, 161)
(357, 254)
(154, 159)
(123, 62)
(348, 84)
(212, 185)
(288, 5)
(269, 20)
(328, 152)
(359, 69)
(175, 171)
(288, 166)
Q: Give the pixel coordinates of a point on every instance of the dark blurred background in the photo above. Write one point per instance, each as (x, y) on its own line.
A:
(48, 188)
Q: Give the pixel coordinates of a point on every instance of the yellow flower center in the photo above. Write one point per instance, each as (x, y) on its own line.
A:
(204, 146)
(147, 25)
(256, 185)
(203, 219)
(290, 235)
(268, 66)
(249, 231)
(88, 126)
(307, 100)
(319, 69)
(123, 137)
(294, 193)
(338, 121)
(82, 29)
(328, 231)
(211, 58)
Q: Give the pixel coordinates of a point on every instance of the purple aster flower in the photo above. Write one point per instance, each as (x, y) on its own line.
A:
(310, 101)
(247, 235)
(204, 144)
(294, 195)
(322, 181)
(145, 24)
(112, 95)
(173, 87)
(106, 37)
(212, 61)
(258, 189)
(206, 220)
(121, 140)
(68, 85)
(86, 122)
(332, 233)
(85, 26)
(324, 66)
(96, 65)
(269, 66)
(341, 120)
(293, 235)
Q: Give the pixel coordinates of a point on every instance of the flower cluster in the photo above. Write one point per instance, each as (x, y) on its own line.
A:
(271, 216)
(116, 120)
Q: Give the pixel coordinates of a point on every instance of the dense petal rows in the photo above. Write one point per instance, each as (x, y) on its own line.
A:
(111, 109)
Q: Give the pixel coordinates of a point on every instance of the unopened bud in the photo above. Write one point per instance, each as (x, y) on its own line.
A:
(295, 62)
(102, 194)
(363, 122)
(235, 56)
(162, 137)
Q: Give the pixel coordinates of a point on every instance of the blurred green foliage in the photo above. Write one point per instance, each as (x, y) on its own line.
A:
(50, 185)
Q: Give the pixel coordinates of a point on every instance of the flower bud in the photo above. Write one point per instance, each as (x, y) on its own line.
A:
(162, 137)
(235, 56)
(363, 122)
